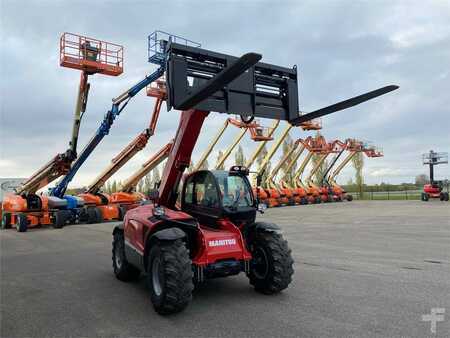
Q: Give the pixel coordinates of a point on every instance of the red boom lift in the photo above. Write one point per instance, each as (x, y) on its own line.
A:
(435, 188)
(213, 232)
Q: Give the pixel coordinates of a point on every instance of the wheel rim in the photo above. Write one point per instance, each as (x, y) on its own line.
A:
(156, 276)
(117, 256)
(260, 263)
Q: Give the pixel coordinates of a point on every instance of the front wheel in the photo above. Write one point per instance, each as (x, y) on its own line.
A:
(425, 196)
(123, 270)
(170, 276)
(21, 222)
(349, 198)
(6, 220)
(271, 265)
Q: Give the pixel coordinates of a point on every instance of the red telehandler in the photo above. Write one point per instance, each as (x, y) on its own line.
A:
(213, 231)
(435, 189)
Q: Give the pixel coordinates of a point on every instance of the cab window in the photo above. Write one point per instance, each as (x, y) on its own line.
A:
(201, 190)
(235, 191)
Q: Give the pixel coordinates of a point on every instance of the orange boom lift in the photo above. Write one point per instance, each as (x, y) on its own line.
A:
(97, 203)
(25, 208)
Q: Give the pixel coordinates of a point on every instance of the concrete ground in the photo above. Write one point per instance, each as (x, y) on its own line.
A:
(362, 269)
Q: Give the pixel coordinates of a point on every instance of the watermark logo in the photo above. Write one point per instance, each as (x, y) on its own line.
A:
(436, 315)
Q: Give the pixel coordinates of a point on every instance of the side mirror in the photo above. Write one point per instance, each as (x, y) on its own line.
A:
(262, 207)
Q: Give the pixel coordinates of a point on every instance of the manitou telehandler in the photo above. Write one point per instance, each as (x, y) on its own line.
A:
(213, 232)
(97, 203)
(26, 208)
(435, 189)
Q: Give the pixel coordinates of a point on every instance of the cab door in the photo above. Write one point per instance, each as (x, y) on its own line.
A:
(200, 198)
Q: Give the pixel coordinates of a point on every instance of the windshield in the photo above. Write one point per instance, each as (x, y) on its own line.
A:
(235, 191)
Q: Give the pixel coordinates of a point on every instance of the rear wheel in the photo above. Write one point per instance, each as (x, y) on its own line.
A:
(271, 265)
(122, 212)
(21, 222)
(61, 217)
(6, 220)
(98, 215)
(425, 197)
(446, 197)
(123, 270)
(170, 276)
(349, 198)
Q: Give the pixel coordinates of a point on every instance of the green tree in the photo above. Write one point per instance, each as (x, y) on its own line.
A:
(147, 182)
(358, 164)
(219, 157)
(422, 179)
(239, 158)
(288, 144)
(321, 170)
(114, 186)
(156, 177)
(259, 162)
(205, 166)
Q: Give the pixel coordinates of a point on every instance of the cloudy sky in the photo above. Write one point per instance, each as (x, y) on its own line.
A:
(342, 49)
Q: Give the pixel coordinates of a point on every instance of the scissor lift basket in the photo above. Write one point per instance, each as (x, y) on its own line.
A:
(90, 55)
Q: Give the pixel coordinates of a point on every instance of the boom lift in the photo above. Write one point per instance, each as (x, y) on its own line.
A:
(314, 145)
(329, 184)
(98, 202)
(128, 198)
(334, 147)
(257, 134)
(289, 188)
(354, 147)
(213, 232)
(435, 188)
(25, 208)
(75, 211)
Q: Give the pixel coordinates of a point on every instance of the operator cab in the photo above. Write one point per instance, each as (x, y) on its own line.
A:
(217, 194)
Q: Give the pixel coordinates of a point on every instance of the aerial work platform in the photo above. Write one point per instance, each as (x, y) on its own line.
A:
(90, 55)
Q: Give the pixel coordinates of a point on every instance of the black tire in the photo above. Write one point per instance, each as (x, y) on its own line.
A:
(446, 197)
(425, 197)
(170, 276)
(441, 196)
(60, 220)
(91, 215)
(83, 215)
(271, 266)
(22, 223)
(98, 215)
(349, 198)
(121, 213)
(123, 270)
(6, 220)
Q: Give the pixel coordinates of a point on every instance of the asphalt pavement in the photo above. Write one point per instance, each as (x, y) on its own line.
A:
(362, 269)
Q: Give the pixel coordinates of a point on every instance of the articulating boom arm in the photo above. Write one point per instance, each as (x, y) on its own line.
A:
(130, 150)
(103, 130)
(131, 183)
(60, 164)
